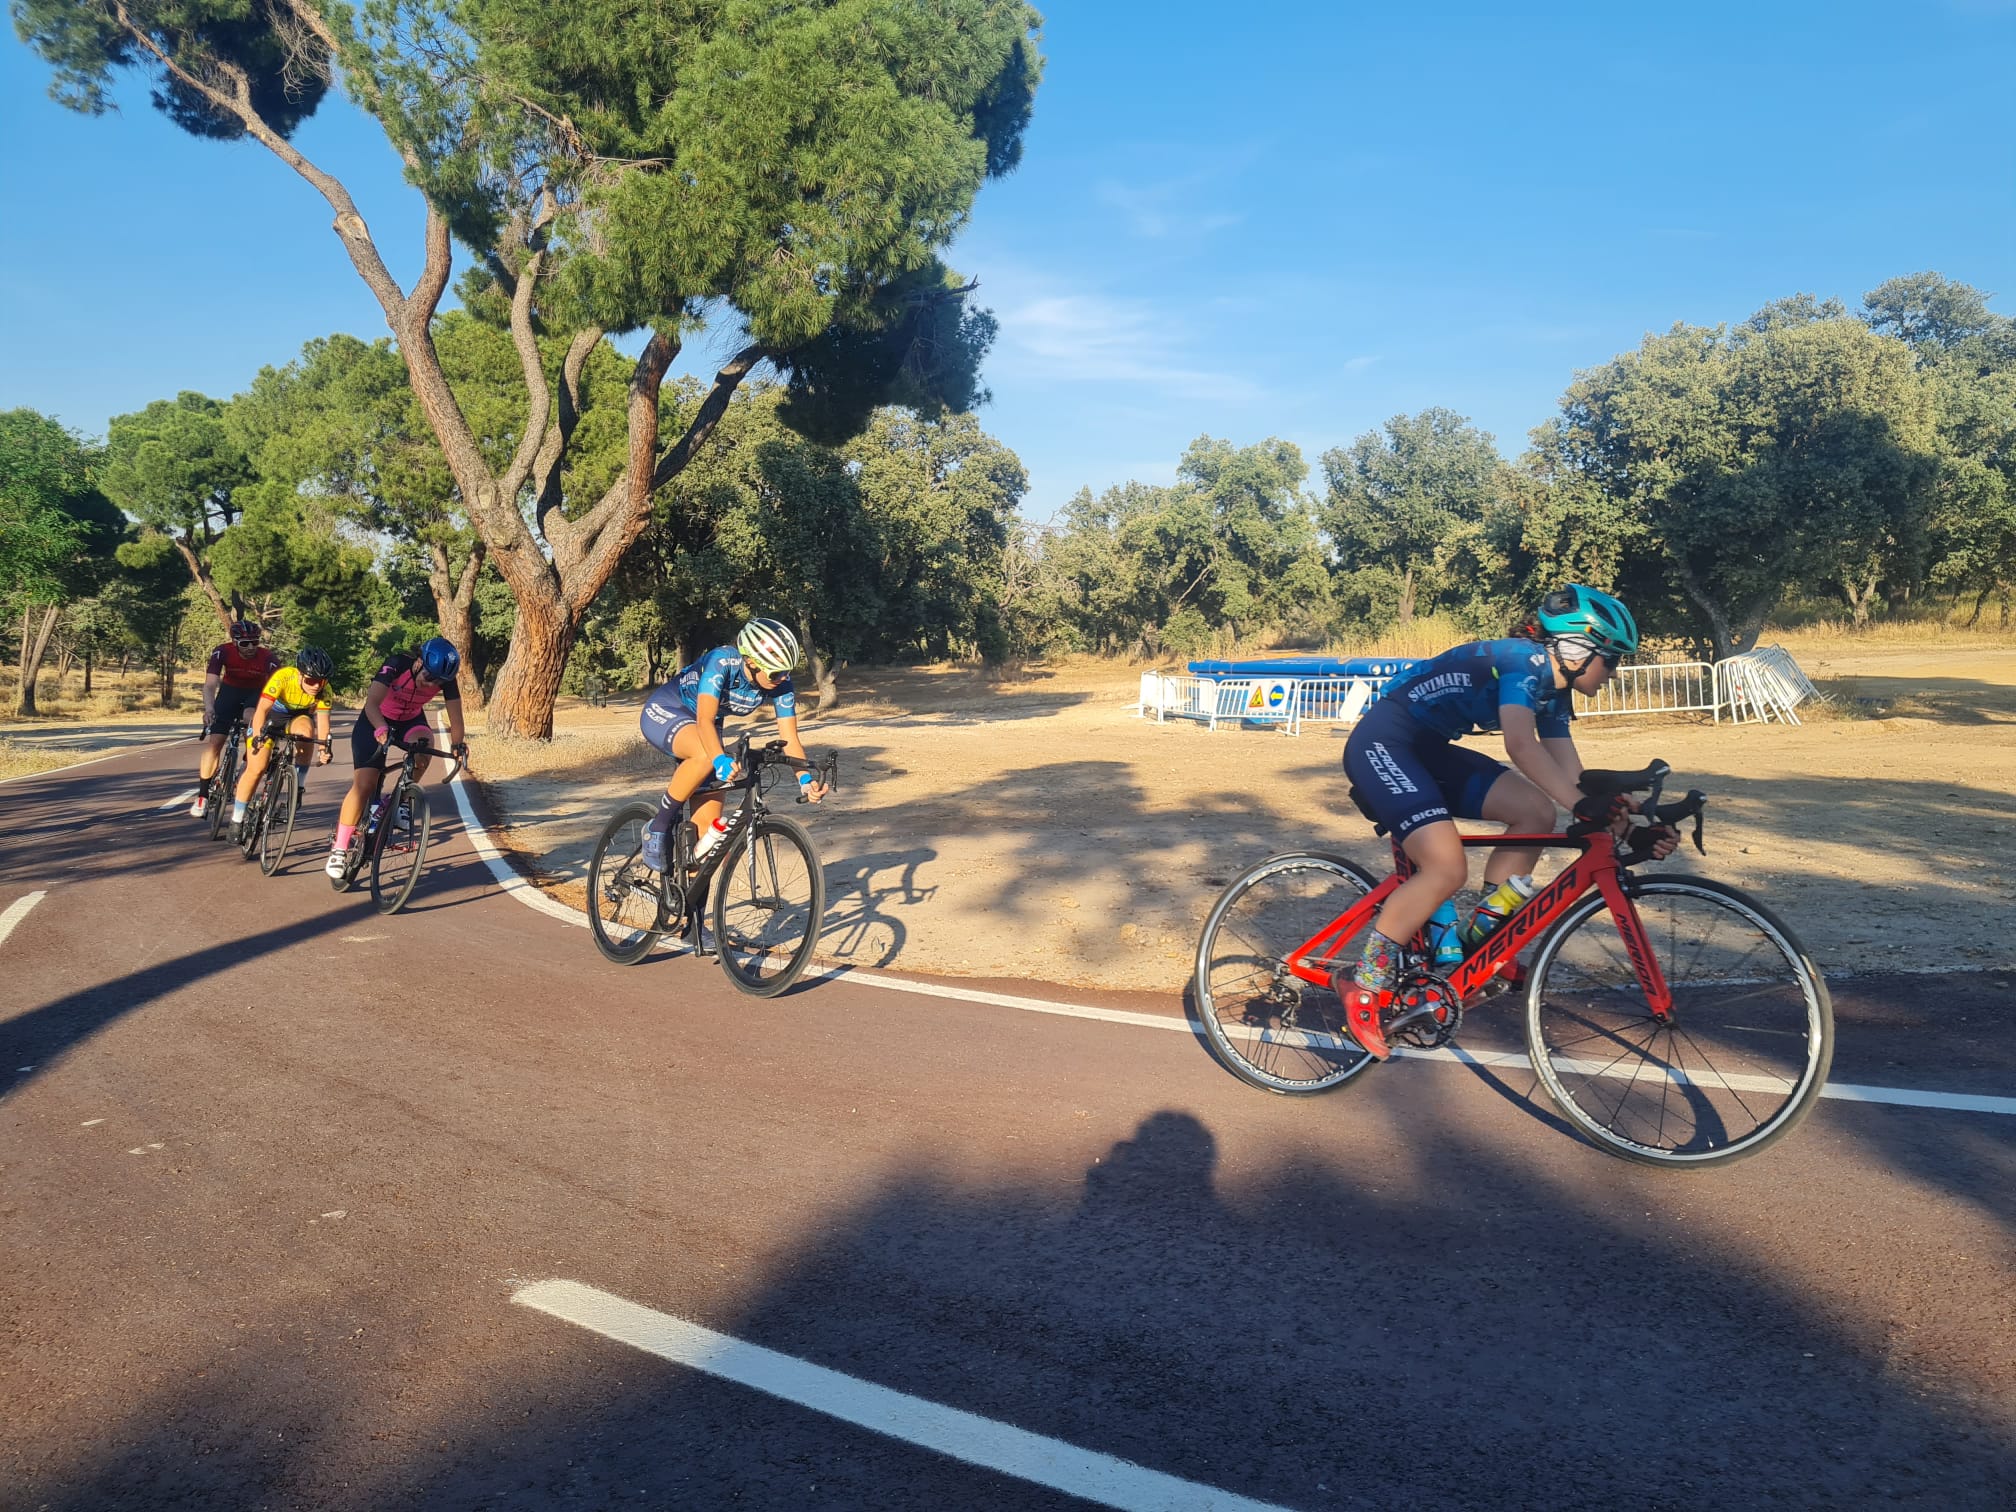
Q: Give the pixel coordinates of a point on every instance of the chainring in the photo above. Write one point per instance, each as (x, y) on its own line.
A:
(1426, 1011)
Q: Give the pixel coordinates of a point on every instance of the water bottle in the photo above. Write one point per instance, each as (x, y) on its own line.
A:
(1445, 937)
(710, 839)
(1499, 905)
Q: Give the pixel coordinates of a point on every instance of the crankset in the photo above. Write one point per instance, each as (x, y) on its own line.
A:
(1426, 1012)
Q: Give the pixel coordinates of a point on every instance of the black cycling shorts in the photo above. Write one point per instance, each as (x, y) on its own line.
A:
(1411, 776)
(365, 752)
(229, 703)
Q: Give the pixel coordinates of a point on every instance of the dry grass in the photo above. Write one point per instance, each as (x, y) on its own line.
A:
(1838, 637)
(112, 697)
(19, 760)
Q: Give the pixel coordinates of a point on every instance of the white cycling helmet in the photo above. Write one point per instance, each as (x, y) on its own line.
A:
(769, 644)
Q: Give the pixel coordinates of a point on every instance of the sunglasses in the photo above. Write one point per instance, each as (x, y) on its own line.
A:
(311, 681)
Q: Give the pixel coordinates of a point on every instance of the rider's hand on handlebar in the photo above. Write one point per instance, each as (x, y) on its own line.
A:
(810, 789)
(724, 767)
(323, 755)
(460, 751)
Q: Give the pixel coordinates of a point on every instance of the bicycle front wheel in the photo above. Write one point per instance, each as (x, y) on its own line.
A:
(1738, 1063)
(625, 905)
(277, 827)
(769, 898)
(255, 817)
(401, 851)
(222, 786)
(1266, 1025)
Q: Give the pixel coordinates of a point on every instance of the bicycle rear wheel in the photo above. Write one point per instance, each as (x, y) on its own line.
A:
(769, 897)
(401, 850)
(1266, 1025)
(222, 785)
(276, 827)
(625, 905)
(1739, 1063)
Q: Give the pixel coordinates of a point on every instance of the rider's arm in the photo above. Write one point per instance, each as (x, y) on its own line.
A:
(259, 716)
(211, 682)
(456, 735)
(808, 783)
(373, 697)
(1538, 764)
(707, 714)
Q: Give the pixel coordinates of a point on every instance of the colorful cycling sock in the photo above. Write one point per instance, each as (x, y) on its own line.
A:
(344, 834)
(238, 810)
(1378, 963)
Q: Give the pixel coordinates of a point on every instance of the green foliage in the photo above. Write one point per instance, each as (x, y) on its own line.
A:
(57, 531)
(174, 467)
(284, 68)
(1402, 507)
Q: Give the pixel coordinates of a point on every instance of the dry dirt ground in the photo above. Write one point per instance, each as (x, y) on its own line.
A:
(1036, 829)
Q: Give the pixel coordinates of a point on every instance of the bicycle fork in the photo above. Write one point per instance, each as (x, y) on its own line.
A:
(1631, 929)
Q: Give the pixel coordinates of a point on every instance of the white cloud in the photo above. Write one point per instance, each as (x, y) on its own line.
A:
(1091, 338)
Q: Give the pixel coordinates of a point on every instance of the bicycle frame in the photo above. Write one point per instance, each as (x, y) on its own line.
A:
(1596, 867)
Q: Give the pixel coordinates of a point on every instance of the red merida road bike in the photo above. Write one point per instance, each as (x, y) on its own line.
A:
(1673, 1020)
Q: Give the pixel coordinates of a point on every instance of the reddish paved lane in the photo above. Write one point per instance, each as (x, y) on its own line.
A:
(276, 1164)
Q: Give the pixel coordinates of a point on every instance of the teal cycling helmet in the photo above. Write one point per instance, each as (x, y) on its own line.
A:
(1596, 619)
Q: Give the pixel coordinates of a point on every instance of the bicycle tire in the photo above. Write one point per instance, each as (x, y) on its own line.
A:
(255, 815)
(620, 935)
(1744, 1059)
(400, 852)
(764, 936)
(1265, 1025)
(223, 785)
(280, 806)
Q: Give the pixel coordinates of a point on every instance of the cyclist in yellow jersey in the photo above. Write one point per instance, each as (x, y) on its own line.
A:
(294, 699)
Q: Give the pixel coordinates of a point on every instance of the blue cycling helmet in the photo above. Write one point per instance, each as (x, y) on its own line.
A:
(440, 660)
(1596, 619)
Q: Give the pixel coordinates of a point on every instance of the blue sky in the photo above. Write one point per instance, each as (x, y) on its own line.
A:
(1277, 219)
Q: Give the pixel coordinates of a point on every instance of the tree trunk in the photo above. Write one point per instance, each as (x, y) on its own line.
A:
(200, 571)
(34, 646)
(521, 705)
(454, 602)
(1860, 591)
(87, 671)
(822, 667)
(1407, 597)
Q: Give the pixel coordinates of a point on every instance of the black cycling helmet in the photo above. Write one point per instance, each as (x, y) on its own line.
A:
(440, 660)
(315, 662)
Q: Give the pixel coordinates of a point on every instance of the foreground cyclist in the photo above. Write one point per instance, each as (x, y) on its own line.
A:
(295, 699)
(683, 719)
(1402, 759)
(238, 668)
(395, 708)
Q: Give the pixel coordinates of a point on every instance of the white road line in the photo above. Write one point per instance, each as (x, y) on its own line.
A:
(17, 911)
(959, 1435)
(177, 801)
(528, 894)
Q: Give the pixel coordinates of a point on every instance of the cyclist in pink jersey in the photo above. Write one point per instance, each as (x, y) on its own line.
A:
(395, 708)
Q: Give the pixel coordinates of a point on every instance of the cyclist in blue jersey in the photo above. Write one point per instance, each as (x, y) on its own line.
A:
(1402, 759)
(683, 719)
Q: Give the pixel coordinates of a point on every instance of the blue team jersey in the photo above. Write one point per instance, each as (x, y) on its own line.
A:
(721, 673)
(1461, 691)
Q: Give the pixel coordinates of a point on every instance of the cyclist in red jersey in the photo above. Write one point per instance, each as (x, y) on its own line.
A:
(232, 678)
(395, 708)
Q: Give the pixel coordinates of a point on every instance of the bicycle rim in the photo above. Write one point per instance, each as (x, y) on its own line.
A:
(278, 828)
(625, 904)
(768, 900)
(400, 853)
(1265, 1024)
(222, 786)
(1743, 1057)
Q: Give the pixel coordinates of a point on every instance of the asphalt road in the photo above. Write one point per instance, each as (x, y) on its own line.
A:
(273, 1168)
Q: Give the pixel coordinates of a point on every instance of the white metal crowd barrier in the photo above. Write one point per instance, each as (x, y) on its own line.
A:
(1759, 685)
(1658, 688)
(1764, 684)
